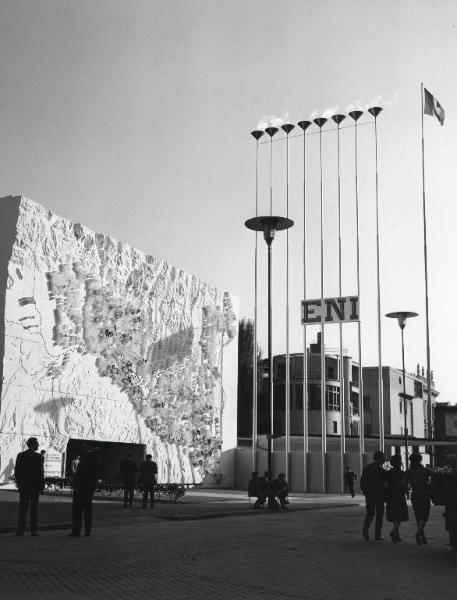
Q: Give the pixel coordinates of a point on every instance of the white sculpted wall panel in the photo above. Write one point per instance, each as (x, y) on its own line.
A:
(103, 342)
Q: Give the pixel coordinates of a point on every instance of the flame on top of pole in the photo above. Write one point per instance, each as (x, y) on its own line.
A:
(356, 114)
(375, 110)
(271, 131)
(304, 124)
(338, 118)
(287, 127)
(257, 134)
(320, 122)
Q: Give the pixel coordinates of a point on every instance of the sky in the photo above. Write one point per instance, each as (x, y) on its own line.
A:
(134, 118)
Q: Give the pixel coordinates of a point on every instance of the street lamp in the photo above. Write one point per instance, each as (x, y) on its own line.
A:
(269, 225)
(401, 316)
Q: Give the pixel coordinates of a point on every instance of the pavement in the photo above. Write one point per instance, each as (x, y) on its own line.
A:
(197, 503)
(312, 551)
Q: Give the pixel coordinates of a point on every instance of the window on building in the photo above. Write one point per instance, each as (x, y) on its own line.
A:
(400, 404)
(401, 431)
(355, 402)
(331, 373)
(314, 396)
(279, 397)
(297, 368)
(418, 388)
(332, 394)
(399, 380)
(298, 391)
(281, 370)
(335, 426)
(355, 375)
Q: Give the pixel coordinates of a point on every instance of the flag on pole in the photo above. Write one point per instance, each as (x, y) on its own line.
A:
(432, 107)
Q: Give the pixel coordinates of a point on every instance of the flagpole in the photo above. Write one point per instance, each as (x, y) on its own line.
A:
(427, 332)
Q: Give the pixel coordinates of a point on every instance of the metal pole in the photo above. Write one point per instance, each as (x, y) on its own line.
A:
(338, 119)
(356, 114)
(270, 366)
(257, 135)
(320, 122)
(375, 112)
(287, 128)
(304, 125)
(405, 405)
(427, 332)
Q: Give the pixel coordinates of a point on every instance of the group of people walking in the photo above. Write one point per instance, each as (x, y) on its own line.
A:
(274, 492)
(388, 490)
(85, 476)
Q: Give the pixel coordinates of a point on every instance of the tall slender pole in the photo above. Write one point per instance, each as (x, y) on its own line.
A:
(271, 131)
(356, 114)
(270, 367)
(338, 119)
(257, 135)
(320, 122)
(269, 225)
(288, 127)
(401, 317)
(375, 110)
(304, 125)
(427, 331)
(405, 403)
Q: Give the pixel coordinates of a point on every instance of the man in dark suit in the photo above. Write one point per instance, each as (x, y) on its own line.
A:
(84, 484)
(373, 486)
(128, 472)
(29, 476)
(148, 476)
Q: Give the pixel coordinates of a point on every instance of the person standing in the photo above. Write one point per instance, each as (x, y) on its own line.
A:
(349, 479)
(128, 473)
(419, 478)
(396, 507)
(29, 475)
(148, 477)
(373, 486)
(84, 484)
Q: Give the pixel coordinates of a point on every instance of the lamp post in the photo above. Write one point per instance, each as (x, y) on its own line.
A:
(269, 225)
(401, 316)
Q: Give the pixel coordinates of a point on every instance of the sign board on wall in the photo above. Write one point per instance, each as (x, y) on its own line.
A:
(330, 310)
(52, 463)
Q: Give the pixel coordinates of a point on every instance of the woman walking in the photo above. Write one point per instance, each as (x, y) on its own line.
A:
(419, 481)
(396, 507)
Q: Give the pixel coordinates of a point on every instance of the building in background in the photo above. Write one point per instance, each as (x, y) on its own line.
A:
(446, 431)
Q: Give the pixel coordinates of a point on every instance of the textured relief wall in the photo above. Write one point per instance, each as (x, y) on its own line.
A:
(102, 342)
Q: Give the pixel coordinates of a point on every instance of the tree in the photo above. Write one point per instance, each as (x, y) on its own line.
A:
(245, 370)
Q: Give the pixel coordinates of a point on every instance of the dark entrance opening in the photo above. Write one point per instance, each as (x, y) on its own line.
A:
(111, 455)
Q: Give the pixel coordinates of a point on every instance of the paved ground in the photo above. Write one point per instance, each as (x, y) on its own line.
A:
(300, 554)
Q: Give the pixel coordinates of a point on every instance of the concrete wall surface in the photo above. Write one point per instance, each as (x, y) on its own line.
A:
(99, 341)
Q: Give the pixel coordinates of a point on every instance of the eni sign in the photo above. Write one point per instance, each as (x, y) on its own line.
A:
(330, 310)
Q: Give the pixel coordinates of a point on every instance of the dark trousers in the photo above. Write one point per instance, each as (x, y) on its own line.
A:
(27, 497)
(374, 506)
(148, 489)
(129, 489)
(82, 503)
